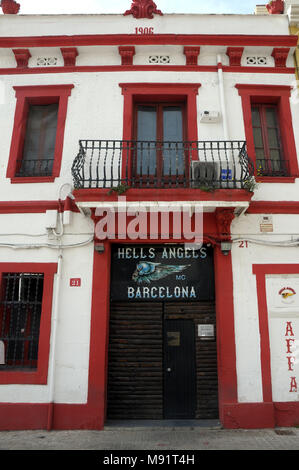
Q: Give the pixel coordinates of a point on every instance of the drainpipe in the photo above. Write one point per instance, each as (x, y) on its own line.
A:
(222, 97)
(51, 378)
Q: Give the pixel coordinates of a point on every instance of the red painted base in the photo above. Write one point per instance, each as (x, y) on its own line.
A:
(27, 416)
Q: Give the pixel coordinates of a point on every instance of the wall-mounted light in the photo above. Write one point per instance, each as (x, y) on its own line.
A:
(226, 247)
(99, 248)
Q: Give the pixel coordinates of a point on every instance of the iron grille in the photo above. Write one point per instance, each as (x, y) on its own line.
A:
(20, 314)
(145, 164)
(34, 168)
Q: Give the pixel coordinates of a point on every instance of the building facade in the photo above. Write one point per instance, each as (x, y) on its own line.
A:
(149, 212)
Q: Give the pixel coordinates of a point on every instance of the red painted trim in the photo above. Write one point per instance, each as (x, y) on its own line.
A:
(226, 352)
(99, 336)
(260, 271)
(249, 416)
(235, 55)
(22, 57)
(69, 55)
(142, 68)
(37, 94)
(280, 56)
(35, 207)
(91, 195)
(280, 95)
(278, 179)
(32, 179)
(191, 54)
(126, 53)
(249, 69)
(40, 375)
(273, 207)
(163, 39)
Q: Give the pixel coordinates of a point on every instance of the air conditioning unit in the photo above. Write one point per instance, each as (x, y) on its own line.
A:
(205, 174)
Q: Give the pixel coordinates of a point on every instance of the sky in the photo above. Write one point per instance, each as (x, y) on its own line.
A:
(119, 6)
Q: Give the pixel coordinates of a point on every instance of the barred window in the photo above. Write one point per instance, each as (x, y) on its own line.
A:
(20, 314)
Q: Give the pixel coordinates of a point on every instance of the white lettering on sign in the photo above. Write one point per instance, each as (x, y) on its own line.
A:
(187, 292)
(75, 282)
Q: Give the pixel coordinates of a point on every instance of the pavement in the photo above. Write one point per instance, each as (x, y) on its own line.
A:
(155, 436)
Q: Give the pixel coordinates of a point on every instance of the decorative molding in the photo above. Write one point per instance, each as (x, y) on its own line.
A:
(143, 9)
(256, 60)
(22, 57)
(280, 56)
(275, 7)
(10, 7)
(234, 40)
(235, 55)
(159, 59)
(224, 218)
(69, 55)
(191, 54)
(126, 53)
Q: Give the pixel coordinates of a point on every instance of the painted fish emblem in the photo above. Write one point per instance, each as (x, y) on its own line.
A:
(147, 271)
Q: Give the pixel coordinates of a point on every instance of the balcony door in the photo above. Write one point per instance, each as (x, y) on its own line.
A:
(160, 153)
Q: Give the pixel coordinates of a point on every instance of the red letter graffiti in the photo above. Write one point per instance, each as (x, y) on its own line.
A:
(289, 330)
(293, 386)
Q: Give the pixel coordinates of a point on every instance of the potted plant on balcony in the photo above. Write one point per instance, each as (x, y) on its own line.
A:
(10, 7)
(275, 7)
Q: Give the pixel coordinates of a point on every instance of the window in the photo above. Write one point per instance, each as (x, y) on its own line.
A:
(269, 131)
(25, 318)
(37, 141)
(160, 141)
(267, 141)
(20, 314)
(160, 117)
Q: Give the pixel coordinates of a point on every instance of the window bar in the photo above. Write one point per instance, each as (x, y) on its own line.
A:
(97, 180)
(34, 324)
(119, 175)
(112, 162)
(224, 164)
(147, 177)
(24, 330)
(5, 314)
(14, 330)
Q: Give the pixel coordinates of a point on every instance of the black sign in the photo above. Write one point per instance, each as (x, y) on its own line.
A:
(162, 273)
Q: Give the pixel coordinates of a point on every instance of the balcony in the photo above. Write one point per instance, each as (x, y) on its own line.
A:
(144, 165)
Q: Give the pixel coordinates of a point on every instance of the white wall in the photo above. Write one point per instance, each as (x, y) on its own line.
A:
(247, 227)
(72, 347)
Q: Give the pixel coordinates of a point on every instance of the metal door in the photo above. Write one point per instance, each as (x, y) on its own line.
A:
(179, 370)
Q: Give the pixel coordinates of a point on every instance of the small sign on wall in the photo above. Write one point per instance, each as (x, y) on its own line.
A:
(206, 331)
(266, 223)
(75, 282)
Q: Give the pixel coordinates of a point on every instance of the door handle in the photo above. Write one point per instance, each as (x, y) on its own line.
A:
(168, 369)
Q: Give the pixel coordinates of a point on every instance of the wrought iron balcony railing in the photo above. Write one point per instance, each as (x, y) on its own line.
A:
(204, 165)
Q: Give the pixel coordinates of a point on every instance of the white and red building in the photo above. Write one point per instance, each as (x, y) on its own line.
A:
(193, 114)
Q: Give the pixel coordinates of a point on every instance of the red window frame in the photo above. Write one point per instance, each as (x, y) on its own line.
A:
(264, 127)
(40, 374)
(159, 92)
(37, 95)
(278, 95)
